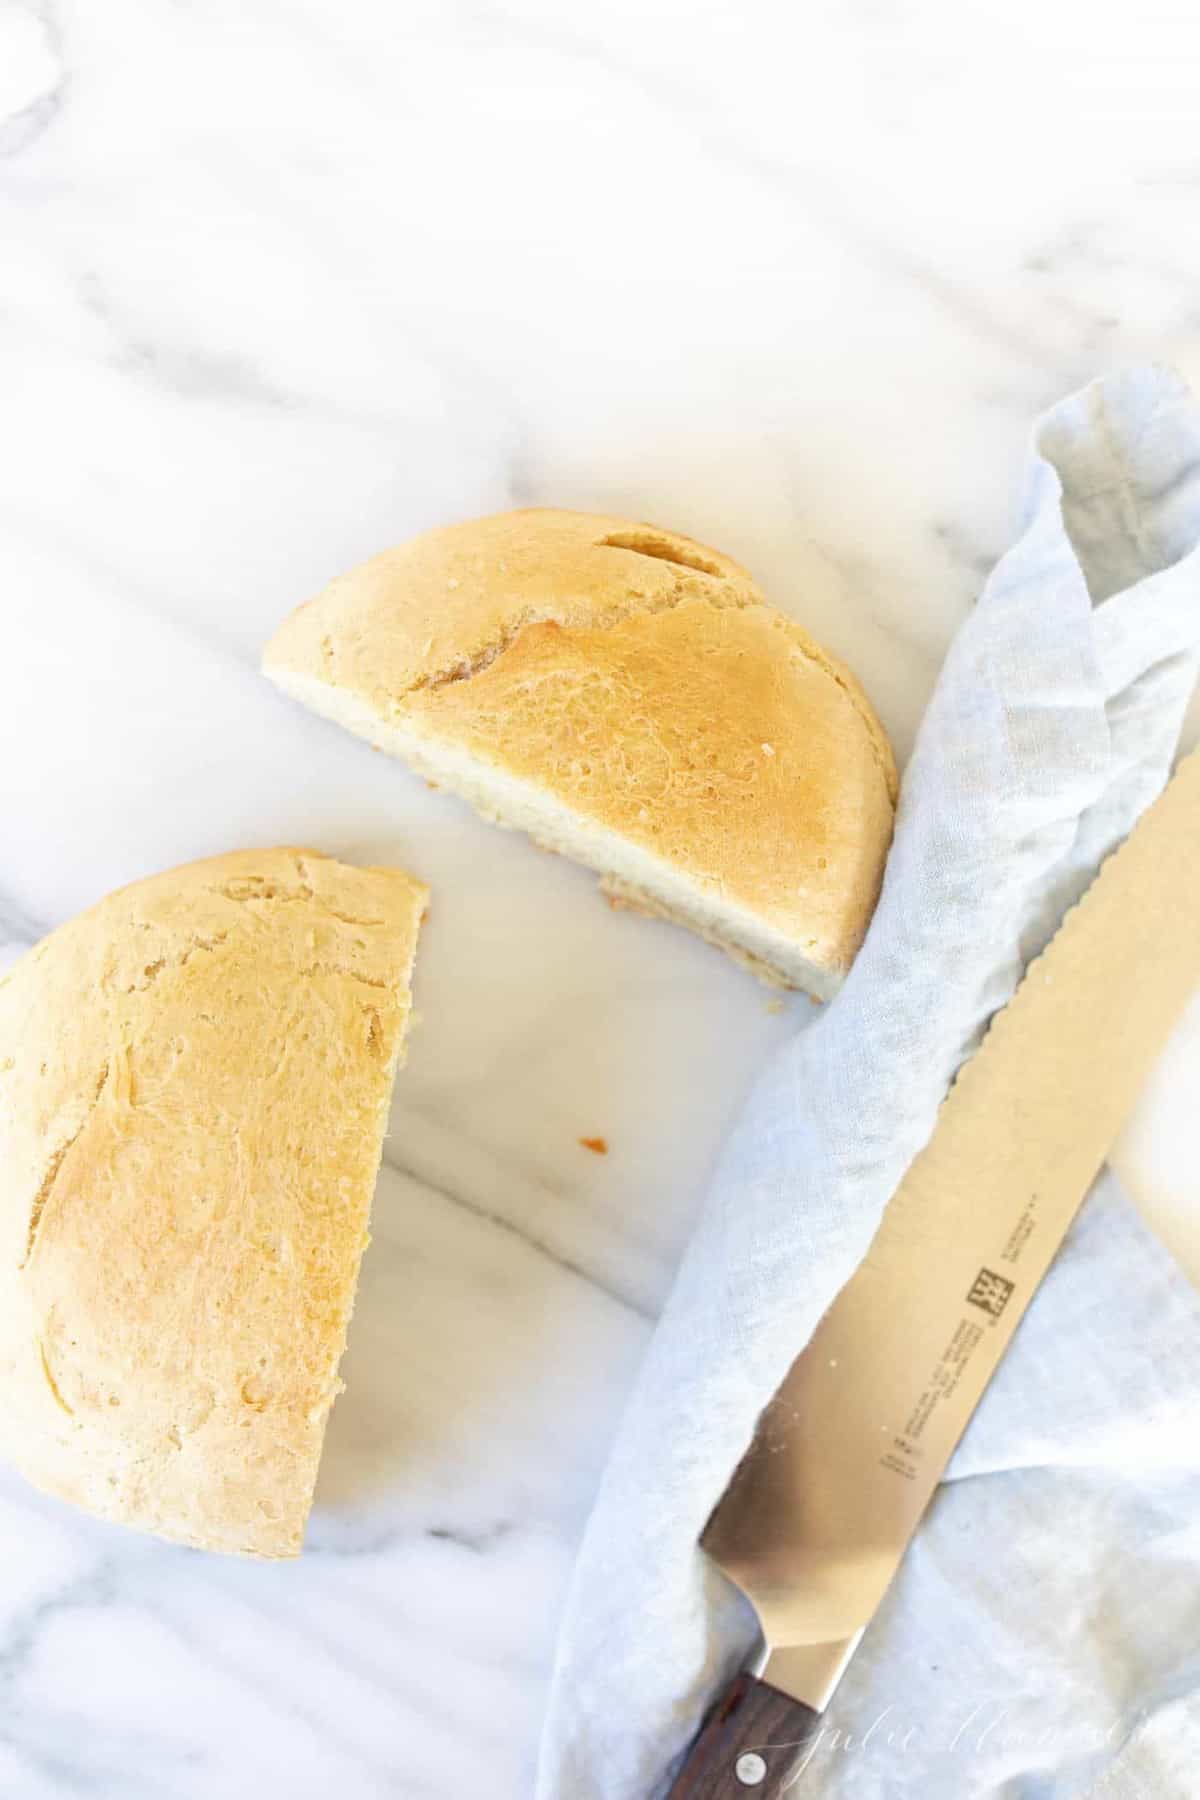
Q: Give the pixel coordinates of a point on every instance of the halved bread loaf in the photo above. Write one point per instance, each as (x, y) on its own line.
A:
(194, 1085)
(628, 698)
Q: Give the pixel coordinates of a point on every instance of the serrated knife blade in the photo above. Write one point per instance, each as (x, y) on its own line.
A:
(847, 1456)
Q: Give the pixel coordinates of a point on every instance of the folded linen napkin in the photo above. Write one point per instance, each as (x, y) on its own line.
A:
(1047, 1587)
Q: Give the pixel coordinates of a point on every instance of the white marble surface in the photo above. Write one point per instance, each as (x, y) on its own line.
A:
(281, 285)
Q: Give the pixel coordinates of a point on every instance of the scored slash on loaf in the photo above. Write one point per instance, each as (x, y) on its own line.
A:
(629, 698)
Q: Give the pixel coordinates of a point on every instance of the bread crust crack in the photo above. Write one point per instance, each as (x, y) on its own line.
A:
(53, 1168)
(152, 971)
(633, 604)
(657, 544)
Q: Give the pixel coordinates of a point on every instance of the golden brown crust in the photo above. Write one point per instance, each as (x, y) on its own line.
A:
(644, 682)
(194, 1077)
(703, 735)
(432, 609)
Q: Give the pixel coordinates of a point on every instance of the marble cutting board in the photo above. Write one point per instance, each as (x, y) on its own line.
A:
(280, 286)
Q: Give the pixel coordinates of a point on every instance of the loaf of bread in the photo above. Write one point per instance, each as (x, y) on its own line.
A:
(194, 1085)
(627, 697)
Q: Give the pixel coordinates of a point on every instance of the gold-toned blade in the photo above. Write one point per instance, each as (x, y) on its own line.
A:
(847, 1455)
(809, 1672)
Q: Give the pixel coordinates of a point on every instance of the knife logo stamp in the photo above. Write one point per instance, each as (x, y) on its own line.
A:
(990, 1292)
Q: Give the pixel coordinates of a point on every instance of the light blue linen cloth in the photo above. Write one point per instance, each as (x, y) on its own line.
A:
(1043, 1637)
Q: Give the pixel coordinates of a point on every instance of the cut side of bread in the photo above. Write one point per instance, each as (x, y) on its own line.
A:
(628, 698)
(194, 1087)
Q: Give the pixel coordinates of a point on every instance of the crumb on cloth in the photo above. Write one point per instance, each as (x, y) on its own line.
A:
(597, 1145)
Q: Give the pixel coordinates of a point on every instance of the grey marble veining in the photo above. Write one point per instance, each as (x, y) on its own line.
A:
(280, 286)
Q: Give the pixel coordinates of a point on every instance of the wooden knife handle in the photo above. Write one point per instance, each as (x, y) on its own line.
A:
(753, 1746)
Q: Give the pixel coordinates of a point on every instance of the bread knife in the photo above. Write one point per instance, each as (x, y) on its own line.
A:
(846, 1457)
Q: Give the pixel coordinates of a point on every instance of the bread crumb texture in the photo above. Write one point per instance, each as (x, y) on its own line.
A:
(634, 683)
(194, 1084)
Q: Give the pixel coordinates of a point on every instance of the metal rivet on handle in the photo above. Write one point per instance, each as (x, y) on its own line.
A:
(750, 1769)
